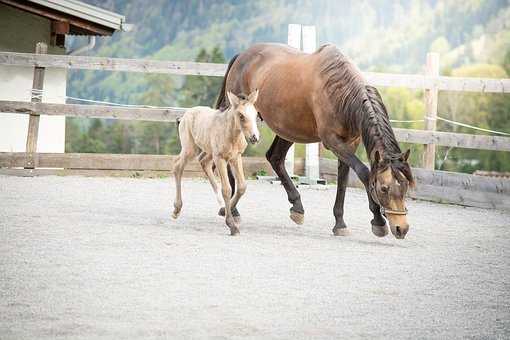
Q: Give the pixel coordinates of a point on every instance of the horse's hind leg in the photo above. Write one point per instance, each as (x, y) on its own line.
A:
(206, 162)
(187, 152)
(276, 156)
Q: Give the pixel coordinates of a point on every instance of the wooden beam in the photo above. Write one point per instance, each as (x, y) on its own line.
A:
(445, 179)
(94, 161)
(431, 103)
(444, 187)
(113, 64)
(414, 81)
(33, 122)
(459, 140)
(93, 111)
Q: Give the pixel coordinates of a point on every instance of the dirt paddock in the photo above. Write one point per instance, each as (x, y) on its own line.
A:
(101, 258)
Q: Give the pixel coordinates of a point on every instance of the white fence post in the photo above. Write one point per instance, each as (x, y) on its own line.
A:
(312, 149)
(294, 40)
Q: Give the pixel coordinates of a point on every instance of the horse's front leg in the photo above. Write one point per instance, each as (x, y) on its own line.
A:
(226, 192)
(276, 157)
(237, 167)
(340, 228)
(347, 156)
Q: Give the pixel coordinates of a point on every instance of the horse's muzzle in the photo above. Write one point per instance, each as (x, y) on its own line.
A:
(253, 139)
(399, 231)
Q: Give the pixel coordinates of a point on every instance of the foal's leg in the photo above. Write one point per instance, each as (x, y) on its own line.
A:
(179, 166)
(347, 156)
(237, 167)
(187, 152)
(206, 162)
(221, 164)
(276, 156)
(232, 181)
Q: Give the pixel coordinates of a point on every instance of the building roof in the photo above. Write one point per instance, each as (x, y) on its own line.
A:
(82, 18)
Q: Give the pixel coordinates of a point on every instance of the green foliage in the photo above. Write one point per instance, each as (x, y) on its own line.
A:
(200, 90)
(489, 111)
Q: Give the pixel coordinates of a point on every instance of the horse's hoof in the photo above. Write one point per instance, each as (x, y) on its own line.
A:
(380, 230)
(298, 218)
(237, 219)
(341, 232)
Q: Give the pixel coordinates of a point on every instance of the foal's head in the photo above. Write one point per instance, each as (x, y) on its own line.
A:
(389, 181)
(246, 114)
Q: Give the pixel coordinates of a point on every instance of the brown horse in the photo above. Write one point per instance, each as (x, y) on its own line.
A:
(306, 98)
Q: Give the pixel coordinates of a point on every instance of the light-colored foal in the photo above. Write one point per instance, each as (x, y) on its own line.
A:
(220, 138)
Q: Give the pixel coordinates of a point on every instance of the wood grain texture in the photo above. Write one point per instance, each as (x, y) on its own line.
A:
(414, 81)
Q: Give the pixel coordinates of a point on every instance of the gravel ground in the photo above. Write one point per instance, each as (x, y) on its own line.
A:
(101, 258)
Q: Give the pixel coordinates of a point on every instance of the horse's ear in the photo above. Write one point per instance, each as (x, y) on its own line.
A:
(377, 157)
(233, 99)
(405, 155)
(253, 96)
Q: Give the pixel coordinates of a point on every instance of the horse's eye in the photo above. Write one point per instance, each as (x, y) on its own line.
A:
(385, 188)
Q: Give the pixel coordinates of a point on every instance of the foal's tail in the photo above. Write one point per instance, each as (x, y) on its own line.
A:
(221, 102)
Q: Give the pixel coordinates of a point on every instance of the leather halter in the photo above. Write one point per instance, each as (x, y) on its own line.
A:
(383, 209)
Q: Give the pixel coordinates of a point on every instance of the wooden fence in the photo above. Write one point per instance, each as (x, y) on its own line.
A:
(485, 192)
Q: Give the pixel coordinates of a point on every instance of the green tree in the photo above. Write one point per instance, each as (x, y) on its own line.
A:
(200, 90)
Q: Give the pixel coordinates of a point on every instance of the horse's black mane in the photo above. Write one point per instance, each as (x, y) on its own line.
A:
(361, 105)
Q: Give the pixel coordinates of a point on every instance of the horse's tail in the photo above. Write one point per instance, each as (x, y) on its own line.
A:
(221, 101)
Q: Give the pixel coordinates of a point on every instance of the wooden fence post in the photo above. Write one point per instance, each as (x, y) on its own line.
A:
(431, 98)
(294, 40)
(33, 122)
(312, 149)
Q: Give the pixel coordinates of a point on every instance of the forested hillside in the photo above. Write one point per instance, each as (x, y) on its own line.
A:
(473, 37)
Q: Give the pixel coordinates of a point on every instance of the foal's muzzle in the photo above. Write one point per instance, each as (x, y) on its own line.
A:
(253, 139)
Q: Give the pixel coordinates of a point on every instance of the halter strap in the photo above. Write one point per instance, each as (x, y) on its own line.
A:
(383, 209)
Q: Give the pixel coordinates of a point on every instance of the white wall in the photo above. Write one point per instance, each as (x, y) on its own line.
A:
(16, 85)
(20, 33)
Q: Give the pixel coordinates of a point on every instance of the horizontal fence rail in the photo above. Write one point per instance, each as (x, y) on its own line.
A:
(415, 81)
(439, 186)
(460, 140)
(92, 111)
(95, 161)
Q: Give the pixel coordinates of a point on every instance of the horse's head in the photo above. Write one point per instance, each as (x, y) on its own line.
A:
(389, 181)
(246, 114)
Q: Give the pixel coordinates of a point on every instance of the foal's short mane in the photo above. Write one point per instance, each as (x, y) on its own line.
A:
(361, 105)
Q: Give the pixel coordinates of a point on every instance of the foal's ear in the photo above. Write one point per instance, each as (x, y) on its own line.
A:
(252, 98)
(233, 99)
(405, 155)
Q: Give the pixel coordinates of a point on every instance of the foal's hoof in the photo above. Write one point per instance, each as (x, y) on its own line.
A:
(234, 231)
(175, 215)
(380, 230)
(237, 219)
(341, 232)
(297, 217)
